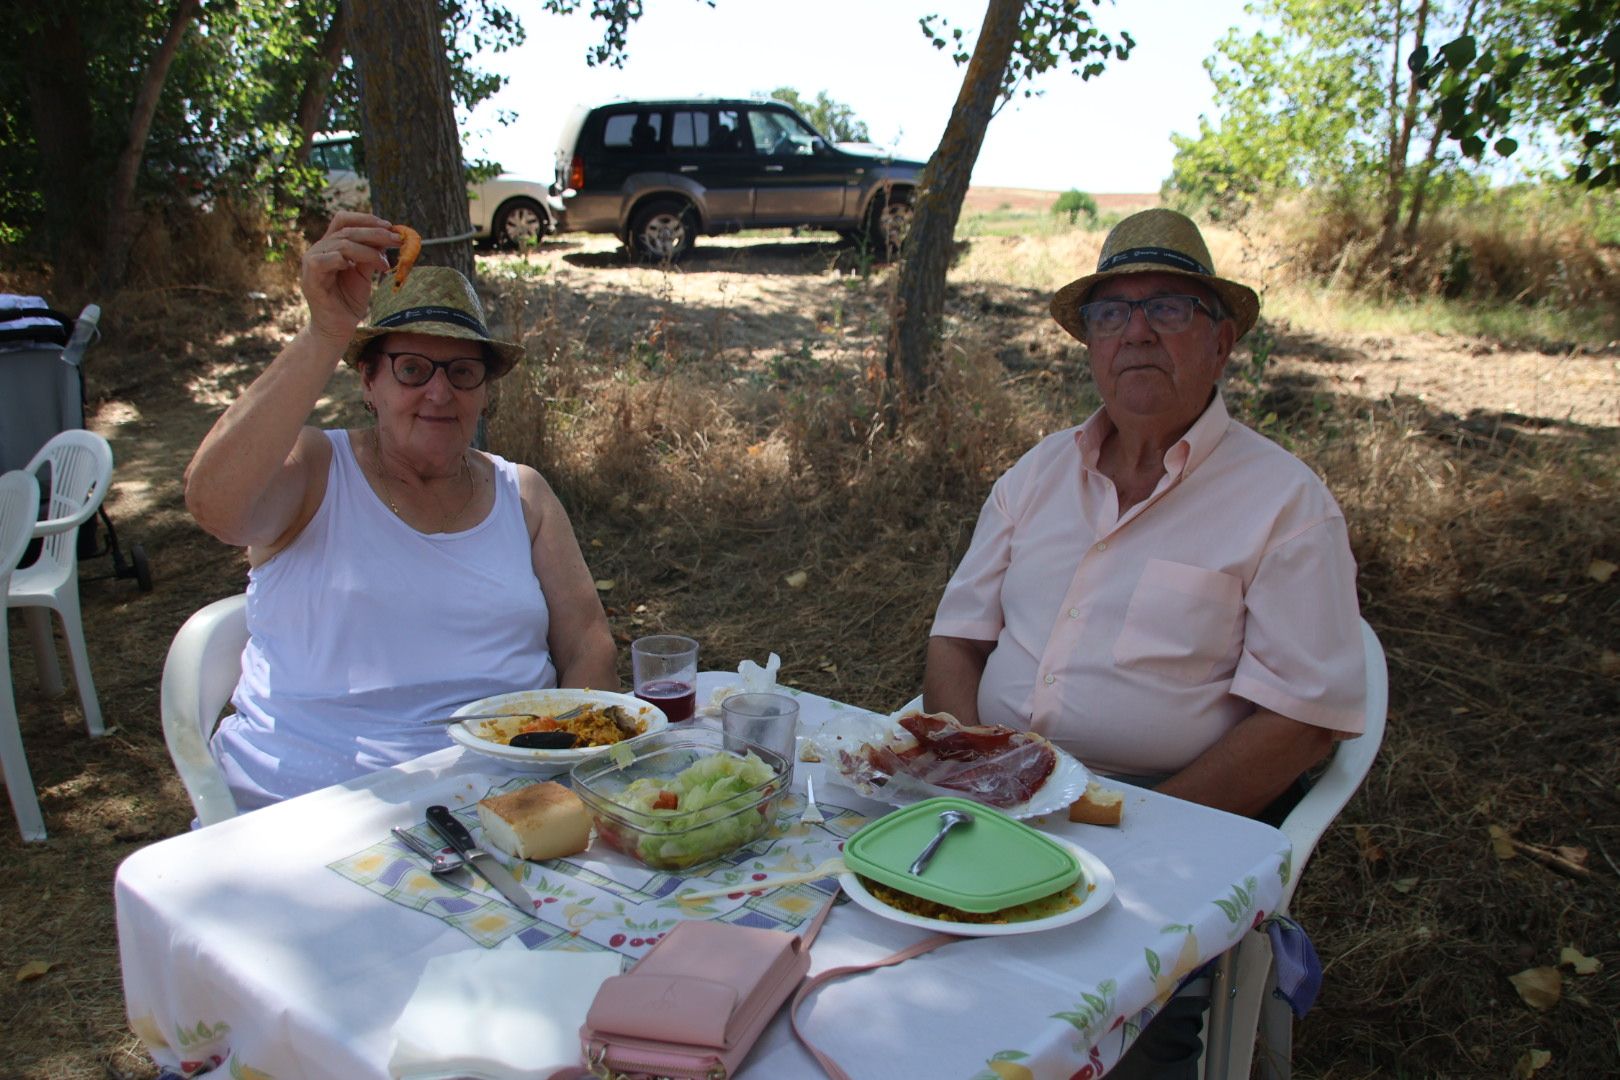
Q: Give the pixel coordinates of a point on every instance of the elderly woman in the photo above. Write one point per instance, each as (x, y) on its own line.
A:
(395, 572)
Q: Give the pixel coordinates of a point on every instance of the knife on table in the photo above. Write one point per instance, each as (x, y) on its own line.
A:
(488, 867)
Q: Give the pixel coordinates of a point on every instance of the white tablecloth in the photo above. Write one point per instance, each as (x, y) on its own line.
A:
(242, 949)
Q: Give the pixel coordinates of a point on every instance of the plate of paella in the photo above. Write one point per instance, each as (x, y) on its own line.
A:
(553, 727)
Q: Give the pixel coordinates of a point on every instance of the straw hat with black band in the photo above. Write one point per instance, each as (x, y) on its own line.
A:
(437, 301)
(1156, 241)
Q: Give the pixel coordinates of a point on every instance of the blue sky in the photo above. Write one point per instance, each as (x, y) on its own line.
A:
(1108, 134)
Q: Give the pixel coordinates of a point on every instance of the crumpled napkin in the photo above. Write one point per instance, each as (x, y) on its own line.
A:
(754, 680)
(501, 1014)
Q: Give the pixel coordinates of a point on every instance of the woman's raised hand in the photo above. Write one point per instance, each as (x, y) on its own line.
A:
(337, 273)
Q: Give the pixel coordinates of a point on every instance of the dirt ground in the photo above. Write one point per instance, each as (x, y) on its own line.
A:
(763, 302)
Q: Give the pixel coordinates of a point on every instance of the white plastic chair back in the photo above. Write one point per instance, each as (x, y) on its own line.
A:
(201, 671)
(19, 505)
(1243, 1005)
(81, 465)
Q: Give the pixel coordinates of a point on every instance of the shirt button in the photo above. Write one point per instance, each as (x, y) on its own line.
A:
(1102, 545)
(1050, 679)
(1074, 613)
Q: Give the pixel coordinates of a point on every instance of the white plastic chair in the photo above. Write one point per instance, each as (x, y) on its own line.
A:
(202, 668)
(81, 464)
(19, 506)
(1243, 1000)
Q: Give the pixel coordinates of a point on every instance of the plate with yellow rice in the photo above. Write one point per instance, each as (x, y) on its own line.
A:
(598, 719)
(1087, 896)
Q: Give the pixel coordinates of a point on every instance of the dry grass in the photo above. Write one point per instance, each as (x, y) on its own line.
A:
(709, 444)
(1504, 251)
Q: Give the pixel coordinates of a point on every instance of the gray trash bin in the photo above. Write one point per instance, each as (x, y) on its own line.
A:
(42, 394)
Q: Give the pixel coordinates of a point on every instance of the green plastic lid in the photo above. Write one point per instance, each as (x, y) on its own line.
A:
(992, 863)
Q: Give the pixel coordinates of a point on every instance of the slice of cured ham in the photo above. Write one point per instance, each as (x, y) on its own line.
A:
(995, 765)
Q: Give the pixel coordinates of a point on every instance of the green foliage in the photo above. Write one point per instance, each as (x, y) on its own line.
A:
(1558, 63)
(1074, 203)
(1304, 106)
(833, 119)
(1051, 33)
(226, 121)
(616, 17)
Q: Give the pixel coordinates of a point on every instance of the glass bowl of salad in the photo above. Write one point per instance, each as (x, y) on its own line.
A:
(676, 798)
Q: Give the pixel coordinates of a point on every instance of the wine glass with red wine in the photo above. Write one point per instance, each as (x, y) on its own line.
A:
(664, 671)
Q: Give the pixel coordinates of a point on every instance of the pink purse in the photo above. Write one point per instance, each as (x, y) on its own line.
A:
(693, 1006)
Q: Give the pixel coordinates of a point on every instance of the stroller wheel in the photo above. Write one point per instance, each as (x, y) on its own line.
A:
(143, 569)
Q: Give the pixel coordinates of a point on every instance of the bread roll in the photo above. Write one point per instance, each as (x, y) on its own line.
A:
(1098, 806)
(541, 821)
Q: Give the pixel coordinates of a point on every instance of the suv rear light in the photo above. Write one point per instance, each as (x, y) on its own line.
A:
(576, 173)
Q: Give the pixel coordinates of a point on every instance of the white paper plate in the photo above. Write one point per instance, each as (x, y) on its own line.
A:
(1092, 872)
(1066, 783)
(545, 703)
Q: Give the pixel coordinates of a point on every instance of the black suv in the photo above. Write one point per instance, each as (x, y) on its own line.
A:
(658, 173)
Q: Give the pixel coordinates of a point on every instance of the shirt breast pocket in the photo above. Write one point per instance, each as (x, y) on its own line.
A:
(1182, 622)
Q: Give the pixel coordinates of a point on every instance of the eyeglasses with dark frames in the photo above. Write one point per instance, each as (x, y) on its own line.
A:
(414, 369)
(1166, 314)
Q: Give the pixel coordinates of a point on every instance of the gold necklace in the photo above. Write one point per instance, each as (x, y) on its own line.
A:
(388, 490)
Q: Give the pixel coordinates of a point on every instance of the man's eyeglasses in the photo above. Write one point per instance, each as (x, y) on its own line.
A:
(1166, 314)
(414, 369)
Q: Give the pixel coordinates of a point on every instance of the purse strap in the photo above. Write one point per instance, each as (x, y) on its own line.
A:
(810, 985)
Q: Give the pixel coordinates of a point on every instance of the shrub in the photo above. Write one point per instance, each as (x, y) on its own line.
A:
(1074, 203)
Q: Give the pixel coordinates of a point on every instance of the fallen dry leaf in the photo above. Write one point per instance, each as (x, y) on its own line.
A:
(1540, 987)
(1601, 570)
(33, 970)
(1501, 842)
(1529, 1063)
(797, 580)
(1555, 598)
(1573, 853)
(1405, 884)
(1609, 663)
(1583, 965)
(605, 584)
(1370, 851)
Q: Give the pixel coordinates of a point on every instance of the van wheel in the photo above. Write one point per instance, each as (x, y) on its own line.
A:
(662, 230)
(519, 223)
(887, 224)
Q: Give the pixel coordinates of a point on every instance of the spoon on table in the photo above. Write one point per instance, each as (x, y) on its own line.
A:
(948, 820)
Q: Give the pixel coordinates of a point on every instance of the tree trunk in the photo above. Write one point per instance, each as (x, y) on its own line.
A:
(56, 73)
(121, 202)
(1420, 186)
(920, 292)
(1401, 141)
(408, 124)
(312, 99)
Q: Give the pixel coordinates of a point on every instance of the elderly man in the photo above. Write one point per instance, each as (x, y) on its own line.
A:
(1161, 591)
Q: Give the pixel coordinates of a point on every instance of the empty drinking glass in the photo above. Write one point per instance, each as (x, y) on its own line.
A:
(768, 720)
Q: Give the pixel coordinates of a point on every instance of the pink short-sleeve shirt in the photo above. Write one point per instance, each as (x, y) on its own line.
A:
(1136, 642)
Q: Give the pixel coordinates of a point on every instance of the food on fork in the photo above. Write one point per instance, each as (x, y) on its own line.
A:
(1098, 806)
(540, 821)
(410, 249)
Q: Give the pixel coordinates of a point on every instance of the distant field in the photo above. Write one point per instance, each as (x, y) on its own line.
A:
(988, 199)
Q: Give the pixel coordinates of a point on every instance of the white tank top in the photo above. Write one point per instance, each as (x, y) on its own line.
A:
(362, 628)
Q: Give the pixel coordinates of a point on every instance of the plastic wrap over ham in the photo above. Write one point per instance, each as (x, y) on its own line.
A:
(934, 754)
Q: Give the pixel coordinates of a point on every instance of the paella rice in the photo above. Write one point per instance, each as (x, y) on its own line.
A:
(1041, 908)
(592, 725)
